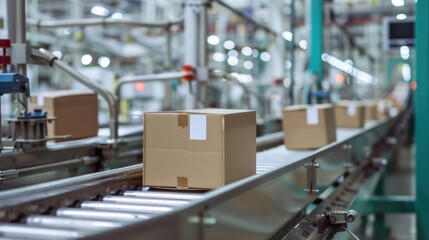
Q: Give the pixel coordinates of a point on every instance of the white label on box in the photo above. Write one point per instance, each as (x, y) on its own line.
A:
(312, 115)
(40, 100)
(197, 127)
(381, 106)
(351, 110)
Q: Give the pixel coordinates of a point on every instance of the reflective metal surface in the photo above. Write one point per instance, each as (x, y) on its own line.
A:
(80, 213)
(26, 232)
(134, 208)
(163, 195)
(262, 205)
(270, 201)
(144, 201)
(72, 224)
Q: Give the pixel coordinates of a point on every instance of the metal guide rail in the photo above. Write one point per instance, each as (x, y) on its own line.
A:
(88, 206)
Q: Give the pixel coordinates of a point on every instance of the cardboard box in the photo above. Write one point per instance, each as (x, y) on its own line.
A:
(76, 112)
(349, 114)
(375, 109)
(309, 127)
(198, 149)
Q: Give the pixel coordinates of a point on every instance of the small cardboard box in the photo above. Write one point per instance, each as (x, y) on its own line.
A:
(198, 149)
(309, 127)
(375, 110)
(371, 110)
(383, 107)
(349, 114)
(76, 112)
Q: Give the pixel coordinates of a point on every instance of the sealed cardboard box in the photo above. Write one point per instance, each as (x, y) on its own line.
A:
(383, 107)
(349, 114)
(198, 149)
(76, 112)
(375, 109)
(370, 110)
(309, 127)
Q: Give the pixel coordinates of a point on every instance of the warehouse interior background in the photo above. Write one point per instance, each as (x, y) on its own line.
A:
(99, 68)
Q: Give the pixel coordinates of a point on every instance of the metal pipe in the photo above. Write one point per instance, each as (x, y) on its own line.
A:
(99, 22)
(101, 215)
(16, 173)
(21, 39)
(147, 209)
(247, 18)
(145, 78)
(229, 77)
(87, 160)
(144, 201)
(142, 78)
(163, 195)
(71, 224)
(9, 230)
(53, 61)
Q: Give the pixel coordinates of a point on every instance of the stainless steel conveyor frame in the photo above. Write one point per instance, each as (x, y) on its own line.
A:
(270, 201)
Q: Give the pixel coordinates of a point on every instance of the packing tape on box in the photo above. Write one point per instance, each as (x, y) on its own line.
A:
(182, 183)
(182, 120)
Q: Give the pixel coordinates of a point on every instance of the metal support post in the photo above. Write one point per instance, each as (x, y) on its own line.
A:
(422, 117)
(21, 39)
(191, 42)
(195, 17)
(202, 70)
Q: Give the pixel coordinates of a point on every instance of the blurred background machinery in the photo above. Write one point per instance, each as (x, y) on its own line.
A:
(147, 55)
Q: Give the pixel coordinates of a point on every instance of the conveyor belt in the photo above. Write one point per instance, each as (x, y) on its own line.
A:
(94, 216)
(114, 211)
(280, 155)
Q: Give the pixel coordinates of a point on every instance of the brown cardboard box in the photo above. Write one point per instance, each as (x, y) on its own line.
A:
(370, 110)
(309, 127)
(349, 114)
(76, 112)
(375, 109)
(383, 107)
(198, 149)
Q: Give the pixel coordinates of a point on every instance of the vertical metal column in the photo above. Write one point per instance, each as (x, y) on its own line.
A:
(191, 47)
(422, 117)
(202, 70)
(316, 40)
(277, 48)
(21, 38)
(195, 45)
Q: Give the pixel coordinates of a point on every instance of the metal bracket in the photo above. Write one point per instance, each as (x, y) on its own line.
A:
(202, 74)
(206, 221)
(347, 148)
(332, 222)
(20, 53)
(196, 4)
(8, 174)
(311, 177)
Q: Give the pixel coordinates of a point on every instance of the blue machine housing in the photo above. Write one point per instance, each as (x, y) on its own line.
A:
(14, 83)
